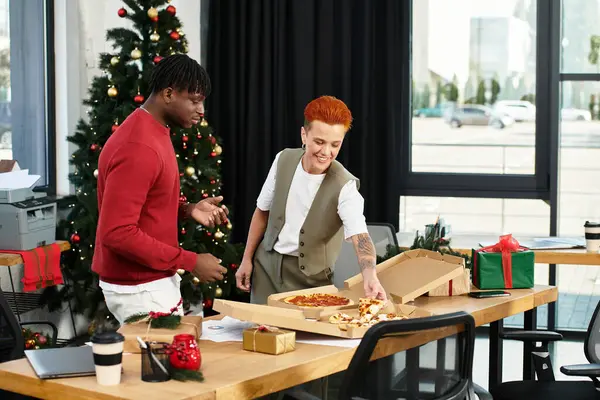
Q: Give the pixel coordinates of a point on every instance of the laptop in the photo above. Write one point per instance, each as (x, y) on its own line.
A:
(63, 362)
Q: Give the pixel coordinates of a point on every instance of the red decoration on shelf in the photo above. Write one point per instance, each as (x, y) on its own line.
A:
(114, 128)
(185, 353)
(122, 12)
(138, 98)
(157, 59)
(171, 10)
(75, 238)
(208, 303)
(185, 138)
(94, 147)
(174, 35)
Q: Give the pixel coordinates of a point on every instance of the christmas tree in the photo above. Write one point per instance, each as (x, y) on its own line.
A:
(156, 32)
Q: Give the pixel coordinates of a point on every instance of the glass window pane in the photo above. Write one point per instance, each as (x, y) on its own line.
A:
(579, 197)
(5, 112)
(473, 86)
(580, 36)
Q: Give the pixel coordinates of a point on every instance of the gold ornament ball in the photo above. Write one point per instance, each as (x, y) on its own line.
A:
(203, 123)
(114, 61)
(218, 292)
(155, 37)
(181, 271)
(112, 91)
(229, 226)
(219, 234)
(196, 280)
(218, 149)
(136, 53)
(152, 12)
(190, 171)
(95, 173)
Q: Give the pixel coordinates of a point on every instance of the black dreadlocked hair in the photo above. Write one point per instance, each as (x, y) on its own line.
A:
(180, 72)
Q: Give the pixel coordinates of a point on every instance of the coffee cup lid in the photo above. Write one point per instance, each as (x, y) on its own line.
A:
(589, 224)
(107, 338)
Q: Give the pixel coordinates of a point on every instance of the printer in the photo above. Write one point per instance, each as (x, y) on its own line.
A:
(27, 218)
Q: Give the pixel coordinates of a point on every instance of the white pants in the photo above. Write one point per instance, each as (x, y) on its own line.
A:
(160, 296)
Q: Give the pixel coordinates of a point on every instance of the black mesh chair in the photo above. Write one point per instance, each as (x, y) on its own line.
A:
(546, 387)
(438, 370)
(12, 344)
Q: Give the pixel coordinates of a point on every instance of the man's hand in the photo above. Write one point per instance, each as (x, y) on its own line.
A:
(242, 276)
(373, 288)
(208, 212)
(208, 268)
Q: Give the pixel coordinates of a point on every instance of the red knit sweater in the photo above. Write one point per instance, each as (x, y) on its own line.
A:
(138, 202)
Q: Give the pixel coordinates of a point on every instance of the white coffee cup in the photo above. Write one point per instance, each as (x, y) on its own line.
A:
(108, 355)
(592, 236)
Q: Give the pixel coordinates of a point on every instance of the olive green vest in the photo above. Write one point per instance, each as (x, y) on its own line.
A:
(322, 233)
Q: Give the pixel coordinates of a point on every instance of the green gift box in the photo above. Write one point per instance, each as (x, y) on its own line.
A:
(493, 270)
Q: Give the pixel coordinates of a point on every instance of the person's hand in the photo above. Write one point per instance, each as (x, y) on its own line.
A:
(242, 276)
(209, 213)
(373, 288)
(208, 268)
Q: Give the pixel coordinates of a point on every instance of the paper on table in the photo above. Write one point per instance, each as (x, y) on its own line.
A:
(17, 179)
(230, 330)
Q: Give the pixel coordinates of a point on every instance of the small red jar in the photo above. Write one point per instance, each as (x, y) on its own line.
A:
(185, 353)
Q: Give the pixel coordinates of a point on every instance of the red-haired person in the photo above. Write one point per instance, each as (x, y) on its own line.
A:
(308, 205)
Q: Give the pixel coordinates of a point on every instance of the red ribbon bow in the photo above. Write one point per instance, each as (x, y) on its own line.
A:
(506, 246)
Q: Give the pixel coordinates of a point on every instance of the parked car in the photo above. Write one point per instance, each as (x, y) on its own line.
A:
(519, 110)
(575, 114)
(438, 111)
(479, 115)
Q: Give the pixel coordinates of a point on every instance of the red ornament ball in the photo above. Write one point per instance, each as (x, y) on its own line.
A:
(183, 231)
(199, 136)
(114, 128)
(208, 303)
(138, 99)
(181, 174)
(75, 238)
(185, 138)
(234, 266)
(174, 35)
(205, 195)
(154, 19)
(122, 12)
(213, 140)
(213, 154)
(42, 340)
(171, 10)
(212, 182)
(94, 147)
(157, 59)
(182, 199)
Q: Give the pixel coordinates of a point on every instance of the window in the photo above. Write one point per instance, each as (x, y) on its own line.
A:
(474, 80)
(26, 86)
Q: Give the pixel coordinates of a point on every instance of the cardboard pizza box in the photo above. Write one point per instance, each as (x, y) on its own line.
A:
(404, 277)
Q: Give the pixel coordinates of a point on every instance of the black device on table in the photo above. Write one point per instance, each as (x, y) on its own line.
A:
(489, 293)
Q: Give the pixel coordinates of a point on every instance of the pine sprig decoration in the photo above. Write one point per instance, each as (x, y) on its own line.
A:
(164, 322)
(182, 375)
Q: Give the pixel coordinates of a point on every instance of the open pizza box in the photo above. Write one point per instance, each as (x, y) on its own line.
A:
(404, 278)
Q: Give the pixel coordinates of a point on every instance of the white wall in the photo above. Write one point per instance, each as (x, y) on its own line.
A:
(80, 30)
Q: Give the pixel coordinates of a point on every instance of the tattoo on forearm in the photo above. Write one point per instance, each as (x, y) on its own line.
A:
(365, 251)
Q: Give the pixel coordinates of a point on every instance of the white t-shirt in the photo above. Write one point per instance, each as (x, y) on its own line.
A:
(302, 192)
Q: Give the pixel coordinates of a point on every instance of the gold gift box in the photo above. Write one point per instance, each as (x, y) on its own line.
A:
(191, 325)
(269, 341)
(455, 287)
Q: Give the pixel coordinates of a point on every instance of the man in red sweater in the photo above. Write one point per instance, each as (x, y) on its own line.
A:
(137, 252)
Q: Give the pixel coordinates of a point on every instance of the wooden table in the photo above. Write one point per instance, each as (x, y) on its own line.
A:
(232, 373)
(9, 259)
(465, 243)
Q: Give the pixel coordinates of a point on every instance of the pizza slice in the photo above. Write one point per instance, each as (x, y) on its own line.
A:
(369, 308)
